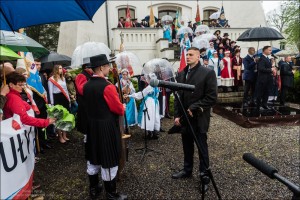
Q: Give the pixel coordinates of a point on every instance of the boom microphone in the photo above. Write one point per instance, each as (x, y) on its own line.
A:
(260, 165)
(171, 85)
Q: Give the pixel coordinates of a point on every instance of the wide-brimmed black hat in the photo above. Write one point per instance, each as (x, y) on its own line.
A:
(97, 61)
(225, 34)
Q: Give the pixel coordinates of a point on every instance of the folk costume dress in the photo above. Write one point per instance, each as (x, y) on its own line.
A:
(131, 110)
(237, 70)
(227, 77)
(167, 33)
(150, 95)
(216, 63)
(58, 93)
(103, 109)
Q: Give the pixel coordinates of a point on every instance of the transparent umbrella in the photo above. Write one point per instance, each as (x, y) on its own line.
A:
(162, 69)
(207, 36)
(184, 30)
(202, 29)
(128, 60)
(87, 50)
(200, 43)
(166, 18)
(215, 15)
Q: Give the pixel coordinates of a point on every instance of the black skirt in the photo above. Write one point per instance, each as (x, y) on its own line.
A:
(103, 142)
(60, 99)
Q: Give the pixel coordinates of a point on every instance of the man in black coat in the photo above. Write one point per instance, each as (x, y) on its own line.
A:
(264, 78)
(287, 78)
(198, 105)
(249, 75)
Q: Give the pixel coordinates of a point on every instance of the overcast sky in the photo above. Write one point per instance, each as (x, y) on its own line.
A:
(270, 5)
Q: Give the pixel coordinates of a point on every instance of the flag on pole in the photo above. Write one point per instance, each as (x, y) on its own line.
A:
(151, 19)
(182, 60)
(177, 22)
(197, 19)
(128, 18)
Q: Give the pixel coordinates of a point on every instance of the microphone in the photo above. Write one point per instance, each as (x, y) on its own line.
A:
(171, 85)
(260, 165)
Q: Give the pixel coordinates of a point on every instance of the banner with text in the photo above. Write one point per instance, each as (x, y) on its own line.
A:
(17, 152)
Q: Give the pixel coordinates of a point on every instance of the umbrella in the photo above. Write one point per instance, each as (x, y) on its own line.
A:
(167, 18)
(200, 43)
(8, 54)
(128, 60)
(260, 34)
(160, 67)
(274, 50)
(202, 29)
(87, 50)
(20, 14)
(53, 59)
(147, 18)
(215, 15)
(184, 30)
(19, 42)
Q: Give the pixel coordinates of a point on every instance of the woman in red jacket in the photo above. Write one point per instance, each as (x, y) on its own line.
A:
(15, 104)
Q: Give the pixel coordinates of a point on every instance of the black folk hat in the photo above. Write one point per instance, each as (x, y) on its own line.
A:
(97, 61)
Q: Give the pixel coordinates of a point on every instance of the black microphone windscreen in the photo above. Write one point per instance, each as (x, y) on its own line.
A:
(260, 165)
(154, 82)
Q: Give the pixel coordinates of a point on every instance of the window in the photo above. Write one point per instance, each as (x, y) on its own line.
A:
(282, 45)
(122, 13)
(162, 13)
(206, 14)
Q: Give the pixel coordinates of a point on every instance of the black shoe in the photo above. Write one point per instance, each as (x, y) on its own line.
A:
(95, 187)
(155, 135)
(181, 174)
(111, 191)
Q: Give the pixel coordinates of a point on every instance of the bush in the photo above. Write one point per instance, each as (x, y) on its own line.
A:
(294, 93)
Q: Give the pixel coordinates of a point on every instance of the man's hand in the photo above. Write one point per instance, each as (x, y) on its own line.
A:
(190, 112)
(4, 90)
(177, 121)
(52, 120)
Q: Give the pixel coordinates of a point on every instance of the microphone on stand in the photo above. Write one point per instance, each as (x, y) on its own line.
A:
(172, 85)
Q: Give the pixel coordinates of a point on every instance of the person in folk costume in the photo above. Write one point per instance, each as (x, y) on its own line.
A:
(150, 98)
(185, 43)
(34, 82)
(159, 24)
(227, 77)
(72, 92)
(215, 61)
(226, 44)
(167, 31)
(202, 55)
(232, 47)
(59, 95)
(210, 50)
(237, 62)
(103, 108)
(131, 110)
(273, 92)
(174, 33)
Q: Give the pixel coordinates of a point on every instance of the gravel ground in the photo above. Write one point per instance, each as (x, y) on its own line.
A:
(61, 171)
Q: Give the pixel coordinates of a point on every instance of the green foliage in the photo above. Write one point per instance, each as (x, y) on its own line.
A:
(294, 93)
(293, 22)
(46, 34)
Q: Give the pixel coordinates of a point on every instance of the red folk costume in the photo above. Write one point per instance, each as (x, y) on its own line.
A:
(237, 70)
(15, 105)
(227, 77)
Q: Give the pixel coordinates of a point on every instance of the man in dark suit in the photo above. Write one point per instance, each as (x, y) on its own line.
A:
(287, 78)
(264, 78)
(198, 105)
(249, 75)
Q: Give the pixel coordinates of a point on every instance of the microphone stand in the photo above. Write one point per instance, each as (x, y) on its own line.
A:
(145, 149)
(200, 148)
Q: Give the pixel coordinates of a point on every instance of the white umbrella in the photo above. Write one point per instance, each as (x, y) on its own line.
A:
(162, 69)
(166, 18)
(215, 15)
(87, 50)
(128, 60)
(184, 30)
(200, 43)
(202, 29)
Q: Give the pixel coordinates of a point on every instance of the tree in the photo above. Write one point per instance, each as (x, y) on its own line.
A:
(46, 34)
(278, 17)
(293, 25)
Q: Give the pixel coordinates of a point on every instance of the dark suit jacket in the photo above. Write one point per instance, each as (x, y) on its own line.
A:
(202, 99)
(264, 68)
(287, 76)
(249, 67)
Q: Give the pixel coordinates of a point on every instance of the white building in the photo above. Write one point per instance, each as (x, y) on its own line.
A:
(145, 42)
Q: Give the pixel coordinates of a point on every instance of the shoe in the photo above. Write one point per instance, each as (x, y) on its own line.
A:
(162, 130)
(181, 174)
(155, 135)
(95, 187)
(111, 191)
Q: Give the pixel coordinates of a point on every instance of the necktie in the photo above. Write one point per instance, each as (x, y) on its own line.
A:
(187, 74)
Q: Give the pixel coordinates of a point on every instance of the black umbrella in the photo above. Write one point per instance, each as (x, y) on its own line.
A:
(260, 34)
(54, 58)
